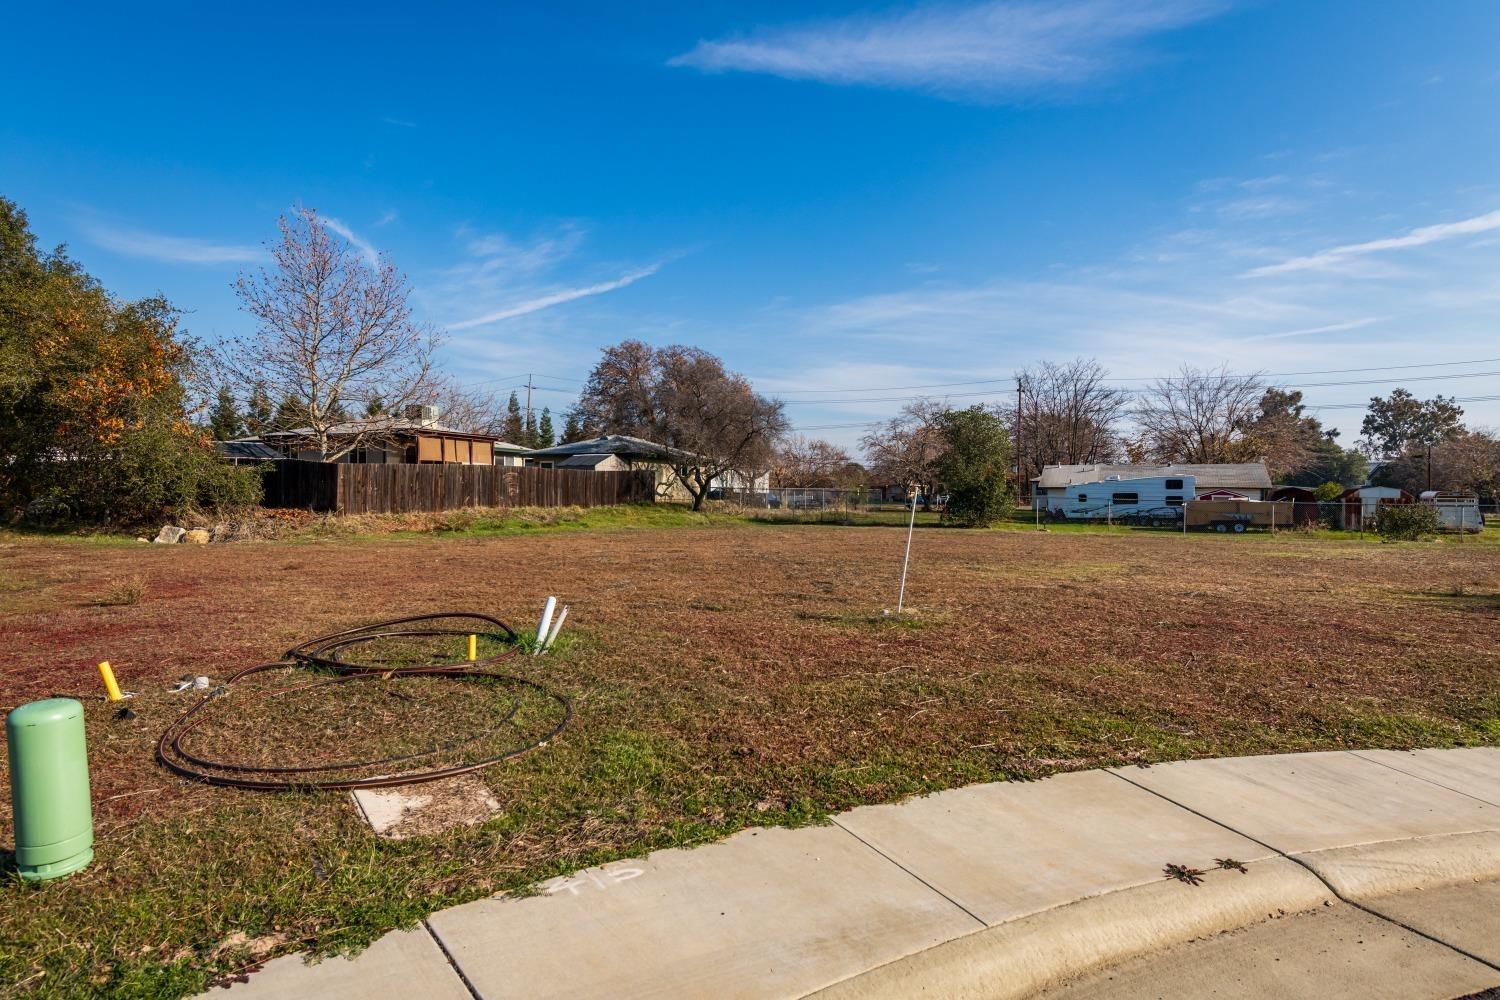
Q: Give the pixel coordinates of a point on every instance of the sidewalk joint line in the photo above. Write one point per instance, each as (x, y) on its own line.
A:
(452, 963)
(979, 920)
(1419, 777)
(1312, 871)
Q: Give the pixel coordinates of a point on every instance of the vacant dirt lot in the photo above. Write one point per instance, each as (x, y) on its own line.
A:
(721, 676)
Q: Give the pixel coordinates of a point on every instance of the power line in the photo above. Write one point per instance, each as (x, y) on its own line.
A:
(1137, 391)
(1149, 378)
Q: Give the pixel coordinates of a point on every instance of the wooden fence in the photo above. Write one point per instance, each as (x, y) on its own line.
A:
(349, 488)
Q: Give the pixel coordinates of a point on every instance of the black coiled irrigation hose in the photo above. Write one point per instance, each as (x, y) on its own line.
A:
(328, 654)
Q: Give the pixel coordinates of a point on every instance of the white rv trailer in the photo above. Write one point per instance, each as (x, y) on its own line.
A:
(1116, 498)
(1455, 511)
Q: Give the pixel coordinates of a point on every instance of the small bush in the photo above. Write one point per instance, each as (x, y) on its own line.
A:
(1406, 522)
(124, 593)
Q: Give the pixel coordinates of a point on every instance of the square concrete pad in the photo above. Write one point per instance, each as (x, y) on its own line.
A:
(1337, 953)
(402, 964)
(766, 913)
(1474, 771)
(1005, 850)
(1315, 801)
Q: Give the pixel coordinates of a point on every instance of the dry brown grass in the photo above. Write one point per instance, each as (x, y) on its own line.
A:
(722, 676)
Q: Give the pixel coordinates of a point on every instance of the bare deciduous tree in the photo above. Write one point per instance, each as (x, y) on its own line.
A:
(709, 420)
(468, 408)
(1070, 415)
(1198, 417)
(908, 448)
(332, 331)
(809, 463)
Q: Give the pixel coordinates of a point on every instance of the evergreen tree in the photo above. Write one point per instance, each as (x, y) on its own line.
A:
(513, 430)
(544, 435)
(336, 411)
(224, 419)
(572, 428)
(289, 414)
(375, 407)
(258, 413)
(531, 430)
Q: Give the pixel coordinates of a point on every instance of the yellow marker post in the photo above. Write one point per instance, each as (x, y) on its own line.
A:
(473, 648)
(111, 688)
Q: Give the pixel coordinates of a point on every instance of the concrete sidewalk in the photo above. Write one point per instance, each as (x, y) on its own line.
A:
(1011, 889)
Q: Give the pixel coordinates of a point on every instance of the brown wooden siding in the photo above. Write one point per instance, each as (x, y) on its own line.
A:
(397, 489)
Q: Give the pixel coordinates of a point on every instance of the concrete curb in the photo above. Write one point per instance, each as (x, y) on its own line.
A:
(1370, 871)
(1018, 958)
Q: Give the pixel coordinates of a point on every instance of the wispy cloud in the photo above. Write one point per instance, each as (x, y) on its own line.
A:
(556, 298)
(365, 248)
(1330, 259)
(172, 249)
(1312, 331)
(399, 122)
(990, 49)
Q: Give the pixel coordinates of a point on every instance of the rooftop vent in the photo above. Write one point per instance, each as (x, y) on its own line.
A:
(422, 414)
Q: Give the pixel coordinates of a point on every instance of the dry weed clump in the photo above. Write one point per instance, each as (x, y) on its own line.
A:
(124, 593)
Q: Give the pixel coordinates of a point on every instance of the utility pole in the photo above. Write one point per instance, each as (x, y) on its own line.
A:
(528, 399)
(1020, 487)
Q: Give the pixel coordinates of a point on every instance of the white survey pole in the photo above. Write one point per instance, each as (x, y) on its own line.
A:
(562, 616)
(906, 560)
(546, 623)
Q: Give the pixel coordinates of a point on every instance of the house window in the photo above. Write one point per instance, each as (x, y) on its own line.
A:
(1174, 484)
(1174, 501)
(1126, 498)
(359, 456)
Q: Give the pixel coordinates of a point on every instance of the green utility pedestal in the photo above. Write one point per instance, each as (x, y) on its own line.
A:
(49, 788)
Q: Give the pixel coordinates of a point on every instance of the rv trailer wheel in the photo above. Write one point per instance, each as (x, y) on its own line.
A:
(1221, 527)
(1239, 529)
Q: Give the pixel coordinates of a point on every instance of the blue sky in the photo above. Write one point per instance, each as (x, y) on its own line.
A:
(830, 196)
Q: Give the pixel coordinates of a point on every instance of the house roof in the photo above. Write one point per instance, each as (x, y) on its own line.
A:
(1243, 475)
(251, 449)
(582, 461)
(613, 444)
(400, 425)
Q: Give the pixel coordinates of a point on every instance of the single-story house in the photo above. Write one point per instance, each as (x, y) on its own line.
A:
(1357, 507)
(413, 439)
(1236, 481)
(614, 452)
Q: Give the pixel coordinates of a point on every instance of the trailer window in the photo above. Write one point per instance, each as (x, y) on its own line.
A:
(1083, 498)
(1126, 498)
(1174, 484)
(1174, 501)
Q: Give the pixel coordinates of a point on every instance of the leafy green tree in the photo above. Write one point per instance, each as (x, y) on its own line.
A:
(93, 397)
(1329, 492)
(544, 433)
(513, 429)
(974, 466)
(1401, 424)
(258, 413)
(224, 419)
